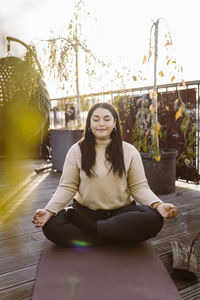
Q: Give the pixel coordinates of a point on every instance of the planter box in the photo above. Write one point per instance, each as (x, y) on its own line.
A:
(61, 141)
(161, 175)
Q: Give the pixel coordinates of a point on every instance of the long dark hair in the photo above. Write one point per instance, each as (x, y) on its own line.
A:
(114, 151)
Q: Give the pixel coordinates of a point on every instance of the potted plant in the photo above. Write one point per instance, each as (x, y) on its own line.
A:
(141, 115)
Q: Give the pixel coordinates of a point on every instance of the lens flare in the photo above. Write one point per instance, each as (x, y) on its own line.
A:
(80, 244)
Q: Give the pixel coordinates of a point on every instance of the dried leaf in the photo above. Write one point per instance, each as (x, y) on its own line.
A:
(161, 73)
(172, 78)
(179, 194)
(134, 78)
(150, 53)
(179, 113)
(167, 107)
(167, 43)
(139, 100)
(151, 95)
(183, 83)
(144, 59)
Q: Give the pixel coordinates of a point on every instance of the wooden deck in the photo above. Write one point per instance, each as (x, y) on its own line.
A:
(21, 243)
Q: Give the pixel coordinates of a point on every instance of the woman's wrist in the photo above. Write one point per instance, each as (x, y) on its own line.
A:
(50, 212)
(156, 204)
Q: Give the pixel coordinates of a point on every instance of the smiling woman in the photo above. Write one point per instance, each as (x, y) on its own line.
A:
(102, 175)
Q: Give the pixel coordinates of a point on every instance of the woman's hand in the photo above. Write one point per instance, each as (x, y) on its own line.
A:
(41, 217)
(167, 210)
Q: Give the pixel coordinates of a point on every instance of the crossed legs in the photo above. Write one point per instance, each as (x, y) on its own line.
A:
(130, 224)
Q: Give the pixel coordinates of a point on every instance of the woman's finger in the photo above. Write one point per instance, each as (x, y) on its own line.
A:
(172, 214)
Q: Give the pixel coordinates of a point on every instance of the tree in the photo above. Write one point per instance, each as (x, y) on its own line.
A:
(64, 53)
(174, 72)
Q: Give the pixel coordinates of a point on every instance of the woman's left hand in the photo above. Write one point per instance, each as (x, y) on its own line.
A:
(167, 210)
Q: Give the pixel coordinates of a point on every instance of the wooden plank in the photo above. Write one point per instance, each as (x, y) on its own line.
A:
(192, 292)
(14, 263)
(20, 292)
(20, 276)
(10, 251)
(11, 232)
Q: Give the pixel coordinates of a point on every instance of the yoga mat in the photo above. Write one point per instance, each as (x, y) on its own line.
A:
(114, 272)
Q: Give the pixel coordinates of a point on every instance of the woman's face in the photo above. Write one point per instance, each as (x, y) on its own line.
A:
(102, 123)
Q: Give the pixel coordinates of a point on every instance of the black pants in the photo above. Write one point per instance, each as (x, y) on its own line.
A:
(130, 224)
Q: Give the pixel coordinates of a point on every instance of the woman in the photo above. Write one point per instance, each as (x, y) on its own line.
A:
(102, 175)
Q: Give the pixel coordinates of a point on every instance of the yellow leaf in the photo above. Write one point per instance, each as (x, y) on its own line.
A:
(157, 128)
(151, 108)
(179, 113)
(172, 79)
(167, 107)
(134, 78)
(155, 95)
(157, 158)
(161, 73)
(167, 57)
(176, 101)
(186, 161)
(144, 59)
(151, 95)
(183, 83)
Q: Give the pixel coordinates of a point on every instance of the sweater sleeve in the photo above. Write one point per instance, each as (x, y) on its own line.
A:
(68, 184)
(137, 182)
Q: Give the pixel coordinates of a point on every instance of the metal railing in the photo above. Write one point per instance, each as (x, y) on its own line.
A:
(60, 106)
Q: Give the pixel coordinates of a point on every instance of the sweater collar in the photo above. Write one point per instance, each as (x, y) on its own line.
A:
(103, 143)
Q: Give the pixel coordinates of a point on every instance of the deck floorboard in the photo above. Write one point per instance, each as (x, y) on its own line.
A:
(21, 243)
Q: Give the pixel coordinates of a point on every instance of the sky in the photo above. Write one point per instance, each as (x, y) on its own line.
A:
(120, 34)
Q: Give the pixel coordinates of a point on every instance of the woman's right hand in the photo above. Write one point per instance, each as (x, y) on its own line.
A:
(41, 217)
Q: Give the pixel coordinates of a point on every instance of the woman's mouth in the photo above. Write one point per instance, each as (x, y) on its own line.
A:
(101, 129)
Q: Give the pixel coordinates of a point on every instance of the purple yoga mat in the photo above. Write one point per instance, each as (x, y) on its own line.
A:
(117, 272)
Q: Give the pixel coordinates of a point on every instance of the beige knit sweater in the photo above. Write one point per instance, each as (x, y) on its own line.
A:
(105, 190)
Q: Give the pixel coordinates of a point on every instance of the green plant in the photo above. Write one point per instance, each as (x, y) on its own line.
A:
(188, 129)
(147, 138)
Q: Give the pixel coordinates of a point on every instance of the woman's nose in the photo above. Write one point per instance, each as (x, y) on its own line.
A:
(101, 122)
